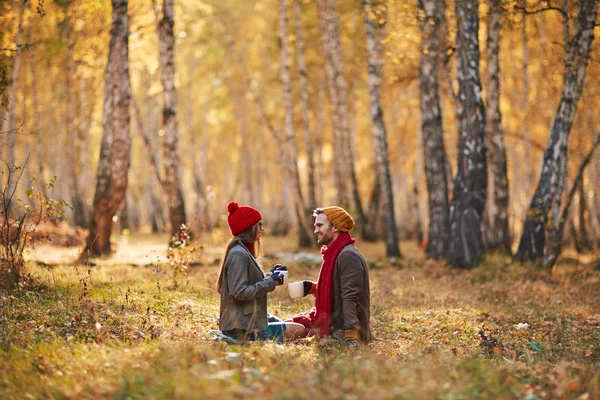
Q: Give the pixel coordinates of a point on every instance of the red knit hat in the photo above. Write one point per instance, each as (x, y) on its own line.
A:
(241, 218)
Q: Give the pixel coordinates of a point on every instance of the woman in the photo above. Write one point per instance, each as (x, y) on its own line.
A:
(243, 285)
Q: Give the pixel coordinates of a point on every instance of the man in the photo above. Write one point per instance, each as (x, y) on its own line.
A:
(342, 290)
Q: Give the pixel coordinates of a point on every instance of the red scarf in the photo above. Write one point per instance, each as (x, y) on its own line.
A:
(321, 317)
(250, 247)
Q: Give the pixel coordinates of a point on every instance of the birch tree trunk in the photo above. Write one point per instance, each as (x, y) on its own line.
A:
(38, 143)
(172, 181)
(379, 134)
(498, 237)
(304, 239)
(347, 162)
(543, 214)
(469, 198)
(311, 196)
(340, 180)
(113, 165)
(73, 144)
(578, 183)
(9, 126)
(525, 106)
(431, 128)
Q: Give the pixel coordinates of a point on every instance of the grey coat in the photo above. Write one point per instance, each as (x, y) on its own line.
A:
(244, 292)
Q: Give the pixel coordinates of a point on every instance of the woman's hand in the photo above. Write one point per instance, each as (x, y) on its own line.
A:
(278, 277)
(278, 267)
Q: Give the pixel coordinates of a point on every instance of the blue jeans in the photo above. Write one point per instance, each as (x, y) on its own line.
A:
(275, 331)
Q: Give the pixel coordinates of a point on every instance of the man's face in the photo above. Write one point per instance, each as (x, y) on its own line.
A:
(324, 230)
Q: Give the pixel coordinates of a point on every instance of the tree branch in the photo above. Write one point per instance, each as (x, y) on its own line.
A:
(524, 10)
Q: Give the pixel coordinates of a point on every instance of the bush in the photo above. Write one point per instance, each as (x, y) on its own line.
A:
(18, 221)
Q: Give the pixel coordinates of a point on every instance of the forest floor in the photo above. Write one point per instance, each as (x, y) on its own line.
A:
(127, 328)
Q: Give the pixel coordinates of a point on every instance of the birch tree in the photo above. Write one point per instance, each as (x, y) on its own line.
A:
(431, 127)
(113, 165)
(344, 157)
(340, 177)
(72, 144)
(304, 239)
(469, 196)
(540, 232)
(303, 73)
(498, 237)
(378, 132)
(9, 125)
(172, 180)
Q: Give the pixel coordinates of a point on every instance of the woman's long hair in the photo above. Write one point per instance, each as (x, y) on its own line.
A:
(247, 236)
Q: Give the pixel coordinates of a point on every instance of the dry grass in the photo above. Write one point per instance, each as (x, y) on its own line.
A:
(122, 329)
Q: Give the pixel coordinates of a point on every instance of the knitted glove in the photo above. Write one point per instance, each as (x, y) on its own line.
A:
(309, 288)
(276, 267)
(351, 337)
(277, 277)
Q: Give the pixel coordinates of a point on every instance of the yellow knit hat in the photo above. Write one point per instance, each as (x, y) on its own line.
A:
(339, 217)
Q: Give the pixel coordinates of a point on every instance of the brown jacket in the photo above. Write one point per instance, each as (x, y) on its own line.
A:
(351, 294)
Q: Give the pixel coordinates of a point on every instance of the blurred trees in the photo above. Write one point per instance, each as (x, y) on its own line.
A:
(224, 141)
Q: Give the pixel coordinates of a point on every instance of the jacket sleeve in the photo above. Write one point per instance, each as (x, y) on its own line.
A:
(351, 283)
(238, 279)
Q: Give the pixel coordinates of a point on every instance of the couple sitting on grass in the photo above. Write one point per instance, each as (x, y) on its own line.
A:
(342, 290)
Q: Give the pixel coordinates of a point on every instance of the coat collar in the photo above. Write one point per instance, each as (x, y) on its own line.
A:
(252, 258)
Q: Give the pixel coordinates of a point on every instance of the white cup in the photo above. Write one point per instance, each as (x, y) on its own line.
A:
(296, 289)
(285, 276)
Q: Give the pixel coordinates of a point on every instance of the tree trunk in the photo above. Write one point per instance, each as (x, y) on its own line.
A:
(379, 134)
(83, 129)
(311, 195)
(525, 106)
(113, 165)
(72, 146)
(431, 129)
(38, 143)
(326, 23)
(582, 220)
(9, 126)
(369, 230)
(172, 181)
(498, 235)
(543, 212)
(347, 162)
(469, 197)
(565, 213)
(196, 155)
(304, 240)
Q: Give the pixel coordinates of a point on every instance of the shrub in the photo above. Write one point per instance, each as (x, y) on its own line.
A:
(18, 221)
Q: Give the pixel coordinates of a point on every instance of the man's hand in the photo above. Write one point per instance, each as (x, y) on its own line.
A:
(278, 278)
(307, 287)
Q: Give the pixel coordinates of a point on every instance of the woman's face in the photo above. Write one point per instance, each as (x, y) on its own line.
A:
(259, 230)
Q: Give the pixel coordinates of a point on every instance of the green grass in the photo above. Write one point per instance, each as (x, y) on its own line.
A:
(125, 330)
